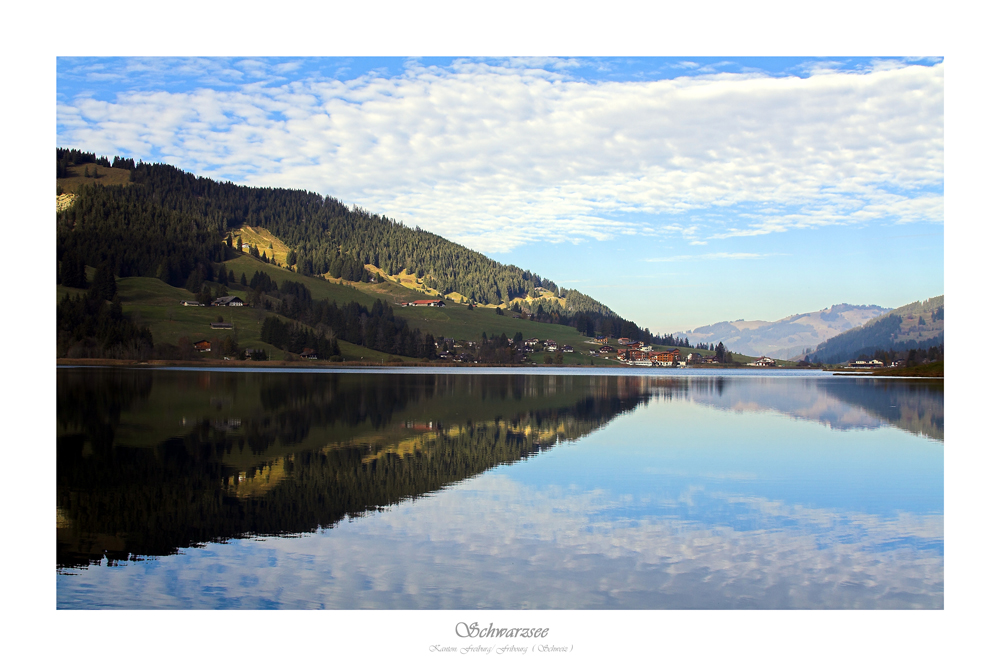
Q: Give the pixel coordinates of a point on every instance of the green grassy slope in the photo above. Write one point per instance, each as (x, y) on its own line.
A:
(155, 304)
(452, 321)
(320, 289)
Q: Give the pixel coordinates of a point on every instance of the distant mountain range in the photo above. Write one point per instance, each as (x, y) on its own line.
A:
(919, 325)
(788, 337)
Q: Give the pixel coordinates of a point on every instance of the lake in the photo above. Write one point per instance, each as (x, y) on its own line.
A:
(498, 489)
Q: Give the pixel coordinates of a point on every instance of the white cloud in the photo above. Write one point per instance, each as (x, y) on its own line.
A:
(510, 546)
(495, 156)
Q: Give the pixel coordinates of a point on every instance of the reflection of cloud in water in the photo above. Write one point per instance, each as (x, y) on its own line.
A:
(493, 543)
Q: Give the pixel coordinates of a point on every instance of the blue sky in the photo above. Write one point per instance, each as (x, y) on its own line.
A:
(678, 191)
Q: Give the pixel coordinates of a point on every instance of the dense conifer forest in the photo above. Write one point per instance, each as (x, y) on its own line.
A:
(176, 220)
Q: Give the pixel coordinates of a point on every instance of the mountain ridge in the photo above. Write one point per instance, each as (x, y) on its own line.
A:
(787, 337)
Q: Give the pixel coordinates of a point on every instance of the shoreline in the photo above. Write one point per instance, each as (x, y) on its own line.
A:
(219, 363)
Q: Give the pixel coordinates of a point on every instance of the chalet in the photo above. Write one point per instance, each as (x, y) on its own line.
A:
(606, 349)
(632, 355)
(222, 324)
(228, 301)
(646, 348)
(664, 357)
(633, 345)
(308, 353)
(763, 362)
(624, 341)
(192, 304)
(203, 346)
(427, 303)
(694, 358)
(567, 348)
(602, 340)
(865, 364)
(531, 341)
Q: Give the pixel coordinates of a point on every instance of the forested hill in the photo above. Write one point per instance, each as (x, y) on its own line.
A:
(919, 325)
(163, 222)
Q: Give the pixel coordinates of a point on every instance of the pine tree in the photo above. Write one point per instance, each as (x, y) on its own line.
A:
(104, 286)
(720, 353)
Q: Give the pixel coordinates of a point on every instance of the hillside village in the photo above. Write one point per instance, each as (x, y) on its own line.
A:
(630, 352)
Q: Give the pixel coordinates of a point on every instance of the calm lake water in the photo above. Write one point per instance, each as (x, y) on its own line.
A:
(565, 490)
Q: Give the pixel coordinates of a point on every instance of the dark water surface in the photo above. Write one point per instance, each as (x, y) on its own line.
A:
(208, 489)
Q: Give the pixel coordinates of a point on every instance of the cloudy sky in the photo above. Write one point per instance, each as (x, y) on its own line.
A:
(679, 191)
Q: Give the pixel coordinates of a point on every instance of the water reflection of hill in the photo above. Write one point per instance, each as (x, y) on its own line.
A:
(915, 406)
(841, 403)
(149, 462)
(152, 461)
